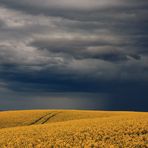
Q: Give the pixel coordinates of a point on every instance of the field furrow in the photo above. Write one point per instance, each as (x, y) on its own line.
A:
(41, 119)
(49, 116)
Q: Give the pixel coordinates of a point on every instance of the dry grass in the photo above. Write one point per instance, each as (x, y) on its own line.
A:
(78, 129)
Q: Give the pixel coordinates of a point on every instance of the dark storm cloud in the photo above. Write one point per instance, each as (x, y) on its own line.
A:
(75, 46)
(86, 48)
(83, 5)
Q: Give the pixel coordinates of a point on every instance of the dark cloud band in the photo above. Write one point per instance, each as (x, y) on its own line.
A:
(75, 46)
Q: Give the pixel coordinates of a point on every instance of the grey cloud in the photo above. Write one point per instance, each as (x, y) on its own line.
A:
(74, 46)
(81, 48)
(73, 4)
(63, 4)
(81, 10)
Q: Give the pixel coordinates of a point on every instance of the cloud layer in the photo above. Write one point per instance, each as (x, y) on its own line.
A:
(74, 46)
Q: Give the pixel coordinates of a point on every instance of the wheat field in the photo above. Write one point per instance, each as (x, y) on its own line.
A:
(73, 129)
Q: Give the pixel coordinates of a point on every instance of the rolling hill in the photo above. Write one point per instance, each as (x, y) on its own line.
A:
(73, 129)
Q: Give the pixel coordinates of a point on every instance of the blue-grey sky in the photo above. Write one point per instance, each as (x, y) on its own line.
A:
(72, 54)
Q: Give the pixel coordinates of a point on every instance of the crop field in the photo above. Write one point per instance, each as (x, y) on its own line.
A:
(73, 129)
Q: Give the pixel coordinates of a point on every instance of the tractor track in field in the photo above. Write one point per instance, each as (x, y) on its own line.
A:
(45, 118)
(53, 115)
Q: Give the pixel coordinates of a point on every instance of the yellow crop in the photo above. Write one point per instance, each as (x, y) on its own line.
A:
(22, 118)
(76, 129)
(19, 118)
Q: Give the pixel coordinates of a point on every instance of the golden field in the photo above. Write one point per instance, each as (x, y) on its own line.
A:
(73, 129)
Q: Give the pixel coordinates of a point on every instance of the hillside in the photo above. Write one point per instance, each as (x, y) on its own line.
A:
(63, 128)
(31, 117)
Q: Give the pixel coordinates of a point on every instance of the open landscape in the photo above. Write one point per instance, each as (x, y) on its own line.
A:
(73, 73)
(73, 128)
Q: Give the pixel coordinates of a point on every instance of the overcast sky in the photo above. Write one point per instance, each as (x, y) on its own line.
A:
(76, 54)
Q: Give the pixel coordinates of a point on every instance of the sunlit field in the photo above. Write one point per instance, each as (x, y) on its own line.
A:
(73, 129)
